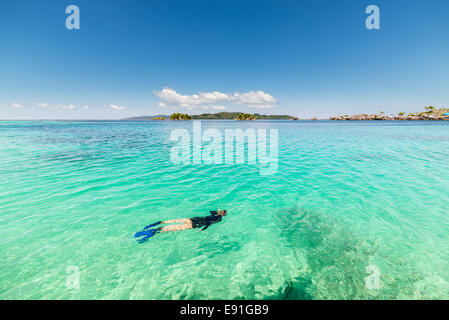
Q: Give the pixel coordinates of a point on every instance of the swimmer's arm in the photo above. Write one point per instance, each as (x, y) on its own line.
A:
(205, 227)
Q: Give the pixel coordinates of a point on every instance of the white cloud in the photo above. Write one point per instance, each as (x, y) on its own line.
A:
(116, 107)
(70, 107)
(162, 105)
(58, 106)
(218, 107)
(261, 106)
(256, 99)
(205, 100)
(170, 96)
(86, 107)
(17, 105)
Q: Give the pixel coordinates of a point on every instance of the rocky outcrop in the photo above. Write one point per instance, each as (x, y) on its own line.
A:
(369, 117)
(362, 117)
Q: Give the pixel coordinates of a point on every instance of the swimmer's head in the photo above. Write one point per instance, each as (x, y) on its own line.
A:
(222, 212)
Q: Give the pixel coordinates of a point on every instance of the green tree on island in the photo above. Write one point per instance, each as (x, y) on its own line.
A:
(401, 114)
(245, 116)
(429, 108)
(180, 116)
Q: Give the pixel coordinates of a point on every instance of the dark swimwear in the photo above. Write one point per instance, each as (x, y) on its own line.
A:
(205, 222)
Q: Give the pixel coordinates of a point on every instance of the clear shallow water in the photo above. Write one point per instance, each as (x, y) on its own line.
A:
(346, 196)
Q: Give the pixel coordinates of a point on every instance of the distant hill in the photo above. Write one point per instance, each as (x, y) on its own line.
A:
(219, 116)
(233, 115)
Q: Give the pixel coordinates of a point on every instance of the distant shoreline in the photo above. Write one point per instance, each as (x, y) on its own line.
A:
(240, 116)
(167, 120)
(387, 118)
(431, 114)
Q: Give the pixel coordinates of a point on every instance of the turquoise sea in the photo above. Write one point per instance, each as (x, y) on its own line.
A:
(348, 198)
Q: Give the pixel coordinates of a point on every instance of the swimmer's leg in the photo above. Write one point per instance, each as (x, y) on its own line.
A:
(184, 221)
(143, 232)
(178, 227)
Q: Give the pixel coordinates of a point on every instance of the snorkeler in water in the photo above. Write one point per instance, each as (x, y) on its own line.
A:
(192, 223)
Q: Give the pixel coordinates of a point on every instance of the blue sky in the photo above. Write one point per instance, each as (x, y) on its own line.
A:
(305, 58)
